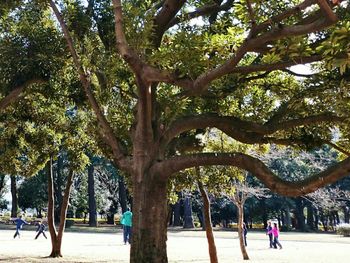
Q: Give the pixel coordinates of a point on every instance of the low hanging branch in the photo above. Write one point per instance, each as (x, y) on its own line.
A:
(259, 169)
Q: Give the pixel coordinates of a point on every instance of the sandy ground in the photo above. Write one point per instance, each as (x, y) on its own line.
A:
(183, 246)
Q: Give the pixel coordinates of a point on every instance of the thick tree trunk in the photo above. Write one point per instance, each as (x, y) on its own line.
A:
(14, 196)
(240, 232)
(208, 225)
(122, 194)
(149, 231)
(92, 200)
(188, 219)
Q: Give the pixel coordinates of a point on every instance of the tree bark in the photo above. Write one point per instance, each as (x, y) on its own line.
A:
(208, 225)
(240, 232)
(14, 196)
(149, 232)
(92, 200)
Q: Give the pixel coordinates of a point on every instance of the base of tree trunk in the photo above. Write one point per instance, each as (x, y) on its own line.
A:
(55, 254)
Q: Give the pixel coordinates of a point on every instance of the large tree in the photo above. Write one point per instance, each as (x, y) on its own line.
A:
(157, 73)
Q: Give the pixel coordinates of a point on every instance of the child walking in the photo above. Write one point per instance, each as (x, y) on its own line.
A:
(275, 232)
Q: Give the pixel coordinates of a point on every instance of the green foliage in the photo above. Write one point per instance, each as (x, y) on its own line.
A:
(32, 192)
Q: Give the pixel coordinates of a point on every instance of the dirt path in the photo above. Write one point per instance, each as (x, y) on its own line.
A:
(183, 246)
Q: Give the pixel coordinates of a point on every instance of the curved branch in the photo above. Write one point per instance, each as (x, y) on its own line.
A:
(251, 43)
(108, 131)
(16, 92)
(338, 148)
(244, 131)
(259, 169)
(202, 11)
(169, 9)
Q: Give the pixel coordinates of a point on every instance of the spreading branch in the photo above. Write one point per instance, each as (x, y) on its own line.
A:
(202, 11)
(259, 169)
(16, 92)
(169, 9)
(109, 136)
(244, 131)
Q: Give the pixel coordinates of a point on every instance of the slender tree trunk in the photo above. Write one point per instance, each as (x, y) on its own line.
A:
(56, 247)
(56, 237)
(91, 194)
(310, 216)
(264, 212)
(177, 215)
(149, 231)
(122, 194)
(14, 196)
(58, 189)
(346, 211)
(299, 210)
(208, 225)
(316, 219)
(288, 218)
(188, 219)
(240, 232)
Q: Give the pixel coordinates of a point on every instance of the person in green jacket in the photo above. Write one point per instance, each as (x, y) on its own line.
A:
(127, 226)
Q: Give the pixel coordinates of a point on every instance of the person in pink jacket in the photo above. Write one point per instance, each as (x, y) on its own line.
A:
(274, 231)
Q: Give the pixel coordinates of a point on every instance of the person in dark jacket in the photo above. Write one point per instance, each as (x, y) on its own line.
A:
(268, 232)
(40, 229)
(19, 224)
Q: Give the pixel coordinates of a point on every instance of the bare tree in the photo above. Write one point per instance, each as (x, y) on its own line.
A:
(241, 191)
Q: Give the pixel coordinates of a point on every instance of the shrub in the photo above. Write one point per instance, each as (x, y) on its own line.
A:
(343, 229)
(69, 223)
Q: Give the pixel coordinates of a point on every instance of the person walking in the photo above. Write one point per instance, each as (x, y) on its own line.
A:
(19, 224)
(268, 229)
(275, 233)
(127, 226)
(40, 229)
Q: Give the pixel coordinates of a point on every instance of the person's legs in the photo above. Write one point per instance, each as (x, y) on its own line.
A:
(44, 235)
(271, 240)
(274, 242)
(125, 234)
(129, 234)
(278, 243)
(37, 235)
(17, 233)
(245, 240)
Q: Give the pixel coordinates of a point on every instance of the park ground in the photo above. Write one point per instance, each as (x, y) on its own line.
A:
(183, 246)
